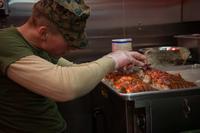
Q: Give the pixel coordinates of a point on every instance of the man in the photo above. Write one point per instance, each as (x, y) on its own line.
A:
(33, 74)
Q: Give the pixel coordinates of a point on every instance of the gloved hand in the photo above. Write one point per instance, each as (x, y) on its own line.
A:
(123, 58)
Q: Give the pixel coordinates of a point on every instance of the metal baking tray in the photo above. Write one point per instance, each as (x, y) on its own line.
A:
(188, 72)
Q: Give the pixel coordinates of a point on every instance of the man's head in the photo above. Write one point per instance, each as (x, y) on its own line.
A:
(60, 24)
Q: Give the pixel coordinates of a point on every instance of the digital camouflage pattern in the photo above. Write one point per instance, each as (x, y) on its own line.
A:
(70, 17)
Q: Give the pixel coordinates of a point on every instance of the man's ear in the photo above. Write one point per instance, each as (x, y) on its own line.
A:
(42, 30)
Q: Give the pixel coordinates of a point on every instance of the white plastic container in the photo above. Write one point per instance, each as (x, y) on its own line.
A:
(122, 44)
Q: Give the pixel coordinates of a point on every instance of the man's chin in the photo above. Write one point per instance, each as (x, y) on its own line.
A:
(65, 52)
(58, 54)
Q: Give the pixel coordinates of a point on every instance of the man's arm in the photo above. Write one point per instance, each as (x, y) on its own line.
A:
(57, 82)
(63, 62)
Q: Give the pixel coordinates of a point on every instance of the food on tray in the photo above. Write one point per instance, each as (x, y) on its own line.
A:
(146, 80)
(162, 80)
(128, 83)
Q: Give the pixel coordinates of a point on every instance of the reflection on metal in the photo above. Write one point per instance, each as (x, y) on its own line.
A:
(190, 10)
(3, 8)
(123, 15)
(21, 1)
(21, 7)
(186, 108)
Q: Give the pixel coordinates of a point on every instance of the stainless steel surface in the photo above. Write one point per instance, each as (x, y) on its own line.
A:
(21, 7)
(119, 13)
(109, 14)
(191, 41)
(190, 9)
(171, 111)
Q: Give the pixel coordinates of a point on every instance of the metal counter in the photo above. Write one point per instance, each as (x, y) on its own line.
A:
(169, 111)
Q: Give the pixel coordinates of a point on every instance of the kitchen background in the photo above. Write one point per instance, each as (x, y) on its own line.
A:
(148, 22)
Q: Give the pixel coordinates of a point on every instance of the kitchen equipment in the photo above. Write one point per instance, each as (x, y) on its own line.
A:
(192, 42)
(4, 8)
(170, 111)
(166, 55)
(122, 44)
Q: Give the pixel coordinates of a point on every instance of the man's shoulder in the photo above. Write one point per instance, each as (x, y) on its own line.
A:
(9, 35)
(7, 31)
(10, 39)
(12, 46)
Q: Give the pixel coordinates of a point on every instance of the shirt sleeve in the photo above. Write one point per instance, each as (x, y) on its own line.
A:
(10, 56)
(57, 82)
(11, 50)
(63, 62)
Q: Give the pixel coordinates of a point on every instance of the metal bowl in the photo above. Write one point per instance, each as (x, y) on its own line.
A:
(166, 56)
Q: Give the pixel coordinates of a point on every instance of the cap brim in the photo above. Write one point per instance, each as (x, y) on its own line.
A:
(80, 42)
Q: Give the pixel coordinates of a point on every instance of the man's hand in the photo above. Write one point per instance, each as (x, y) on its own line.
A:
(123, 58)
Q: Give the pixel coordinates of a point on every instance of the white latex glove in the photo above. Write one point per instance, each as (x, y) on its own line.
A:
(123, 58)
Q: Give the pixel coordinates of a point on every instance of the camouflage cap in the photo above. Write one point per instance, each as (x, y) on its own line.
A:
(70, 18)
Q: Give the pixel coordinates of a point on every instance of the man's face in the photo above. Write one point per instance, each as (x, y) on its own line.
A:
(56, 44)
